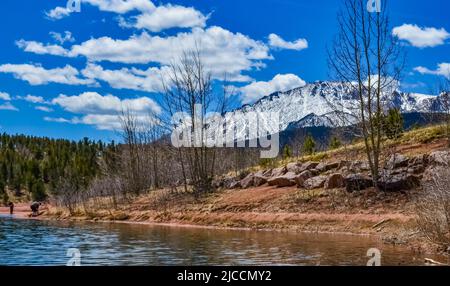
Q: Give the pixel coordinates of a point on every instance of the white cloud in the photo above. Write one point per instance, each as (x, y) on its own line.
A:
(277, 42)
(42, 49)
(258, 89)
(57, 119)
(122, 6)
(443, 69)
(44, 108)
(223, 52)
(5, 96)
(115, 6)
(94, 103)
(421, 37)
(37, 75)
(8, 106)
(62, 38)
(58, 13)
(103, 112)
(169, 16)
(149, 80)
(34, 99)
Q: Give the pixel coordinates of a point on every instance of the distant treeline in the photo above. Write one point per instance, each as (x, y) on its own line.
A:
(37, 164)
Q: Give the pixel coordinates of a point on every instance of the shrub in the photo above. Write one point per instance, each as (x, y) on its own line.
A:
(433, 208)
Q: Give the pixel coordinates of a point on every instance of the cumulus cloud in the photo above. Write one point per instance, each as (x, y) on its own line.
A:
(37, 75)
(58, 13)
(42, 49)
(166, 17)
(35, 99)
(115, 6)
(44, 108)
(92, 102)
(149, 80)
(276, 41)
(57, 119)
(5, 96)
(8, 106)
(223, 52)
(62, 38)
(421, 37)
(443, 69)
(103, 112)
(258, 89)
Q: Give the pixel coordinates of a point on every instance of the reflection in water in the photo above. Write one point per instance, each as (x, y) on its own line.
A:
(29, 242)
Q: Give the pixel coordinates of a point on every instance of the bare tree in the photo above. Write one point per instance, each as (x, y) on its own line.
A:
(189, 90)
(366, 57)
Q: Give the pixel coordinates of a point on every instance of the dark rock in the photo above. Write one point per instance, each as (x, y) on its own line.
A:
(302, 177)
(441, 158)
(359, 166)
(334, 181)
(397, 161)
(247, 182)
(259, 179)
(234, 185)
(323, 167)
(308, 166)
(278, 172)
(315, 182)
(357, 182)
(343, 164)
(283, 181)
(416, 169)
(399, 182)
(293, 167)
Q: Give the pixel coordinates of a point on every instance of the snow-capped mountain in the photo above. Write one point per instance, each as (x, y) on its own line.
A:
(315, 104)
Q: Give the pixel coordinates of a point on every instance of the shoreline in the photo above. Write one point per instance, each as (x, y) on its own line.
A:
(413, 244)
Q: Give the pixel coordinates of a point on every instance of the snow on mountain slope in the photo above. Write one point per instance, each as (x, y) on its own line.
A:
(315, 104)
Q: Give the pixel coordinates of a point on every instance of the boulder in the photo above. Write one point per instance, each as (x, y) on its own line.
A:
(293, 167)
(308, 166)
(277, 172)
(248, 181)
(359, 166)
(234, 185)
(315, 182)
(302, 177)
(440, 158)
(259, 179)
(334, 181)
(323, 167)
(397, 161)
(343, 164)
(399, 182)
(418, 160)
(416, 169)
(283, 181)
(357, 182)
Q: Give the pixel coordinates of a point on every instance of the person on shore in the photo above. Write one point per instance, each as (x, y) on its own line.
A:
(35, 208)
(11, 208)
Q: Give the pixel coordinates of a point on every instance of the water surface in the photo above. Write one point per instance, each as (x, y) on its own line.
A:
(32, 242)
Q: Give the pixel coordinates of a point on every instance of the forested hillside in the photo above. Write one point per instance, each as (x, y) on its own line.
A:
(36, 165)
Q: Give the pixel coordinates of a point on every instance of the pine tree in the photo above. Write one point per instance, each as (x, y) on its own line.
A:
(287, 152)
(335, 143)
(309, 146)
(393, 124)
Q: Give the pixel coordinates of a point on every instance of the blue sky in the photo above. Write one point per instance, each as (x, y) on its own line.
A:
(66, 74)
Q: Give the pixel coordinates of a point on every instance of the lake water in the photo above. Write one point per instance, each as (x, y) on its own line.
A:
(32, 242)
